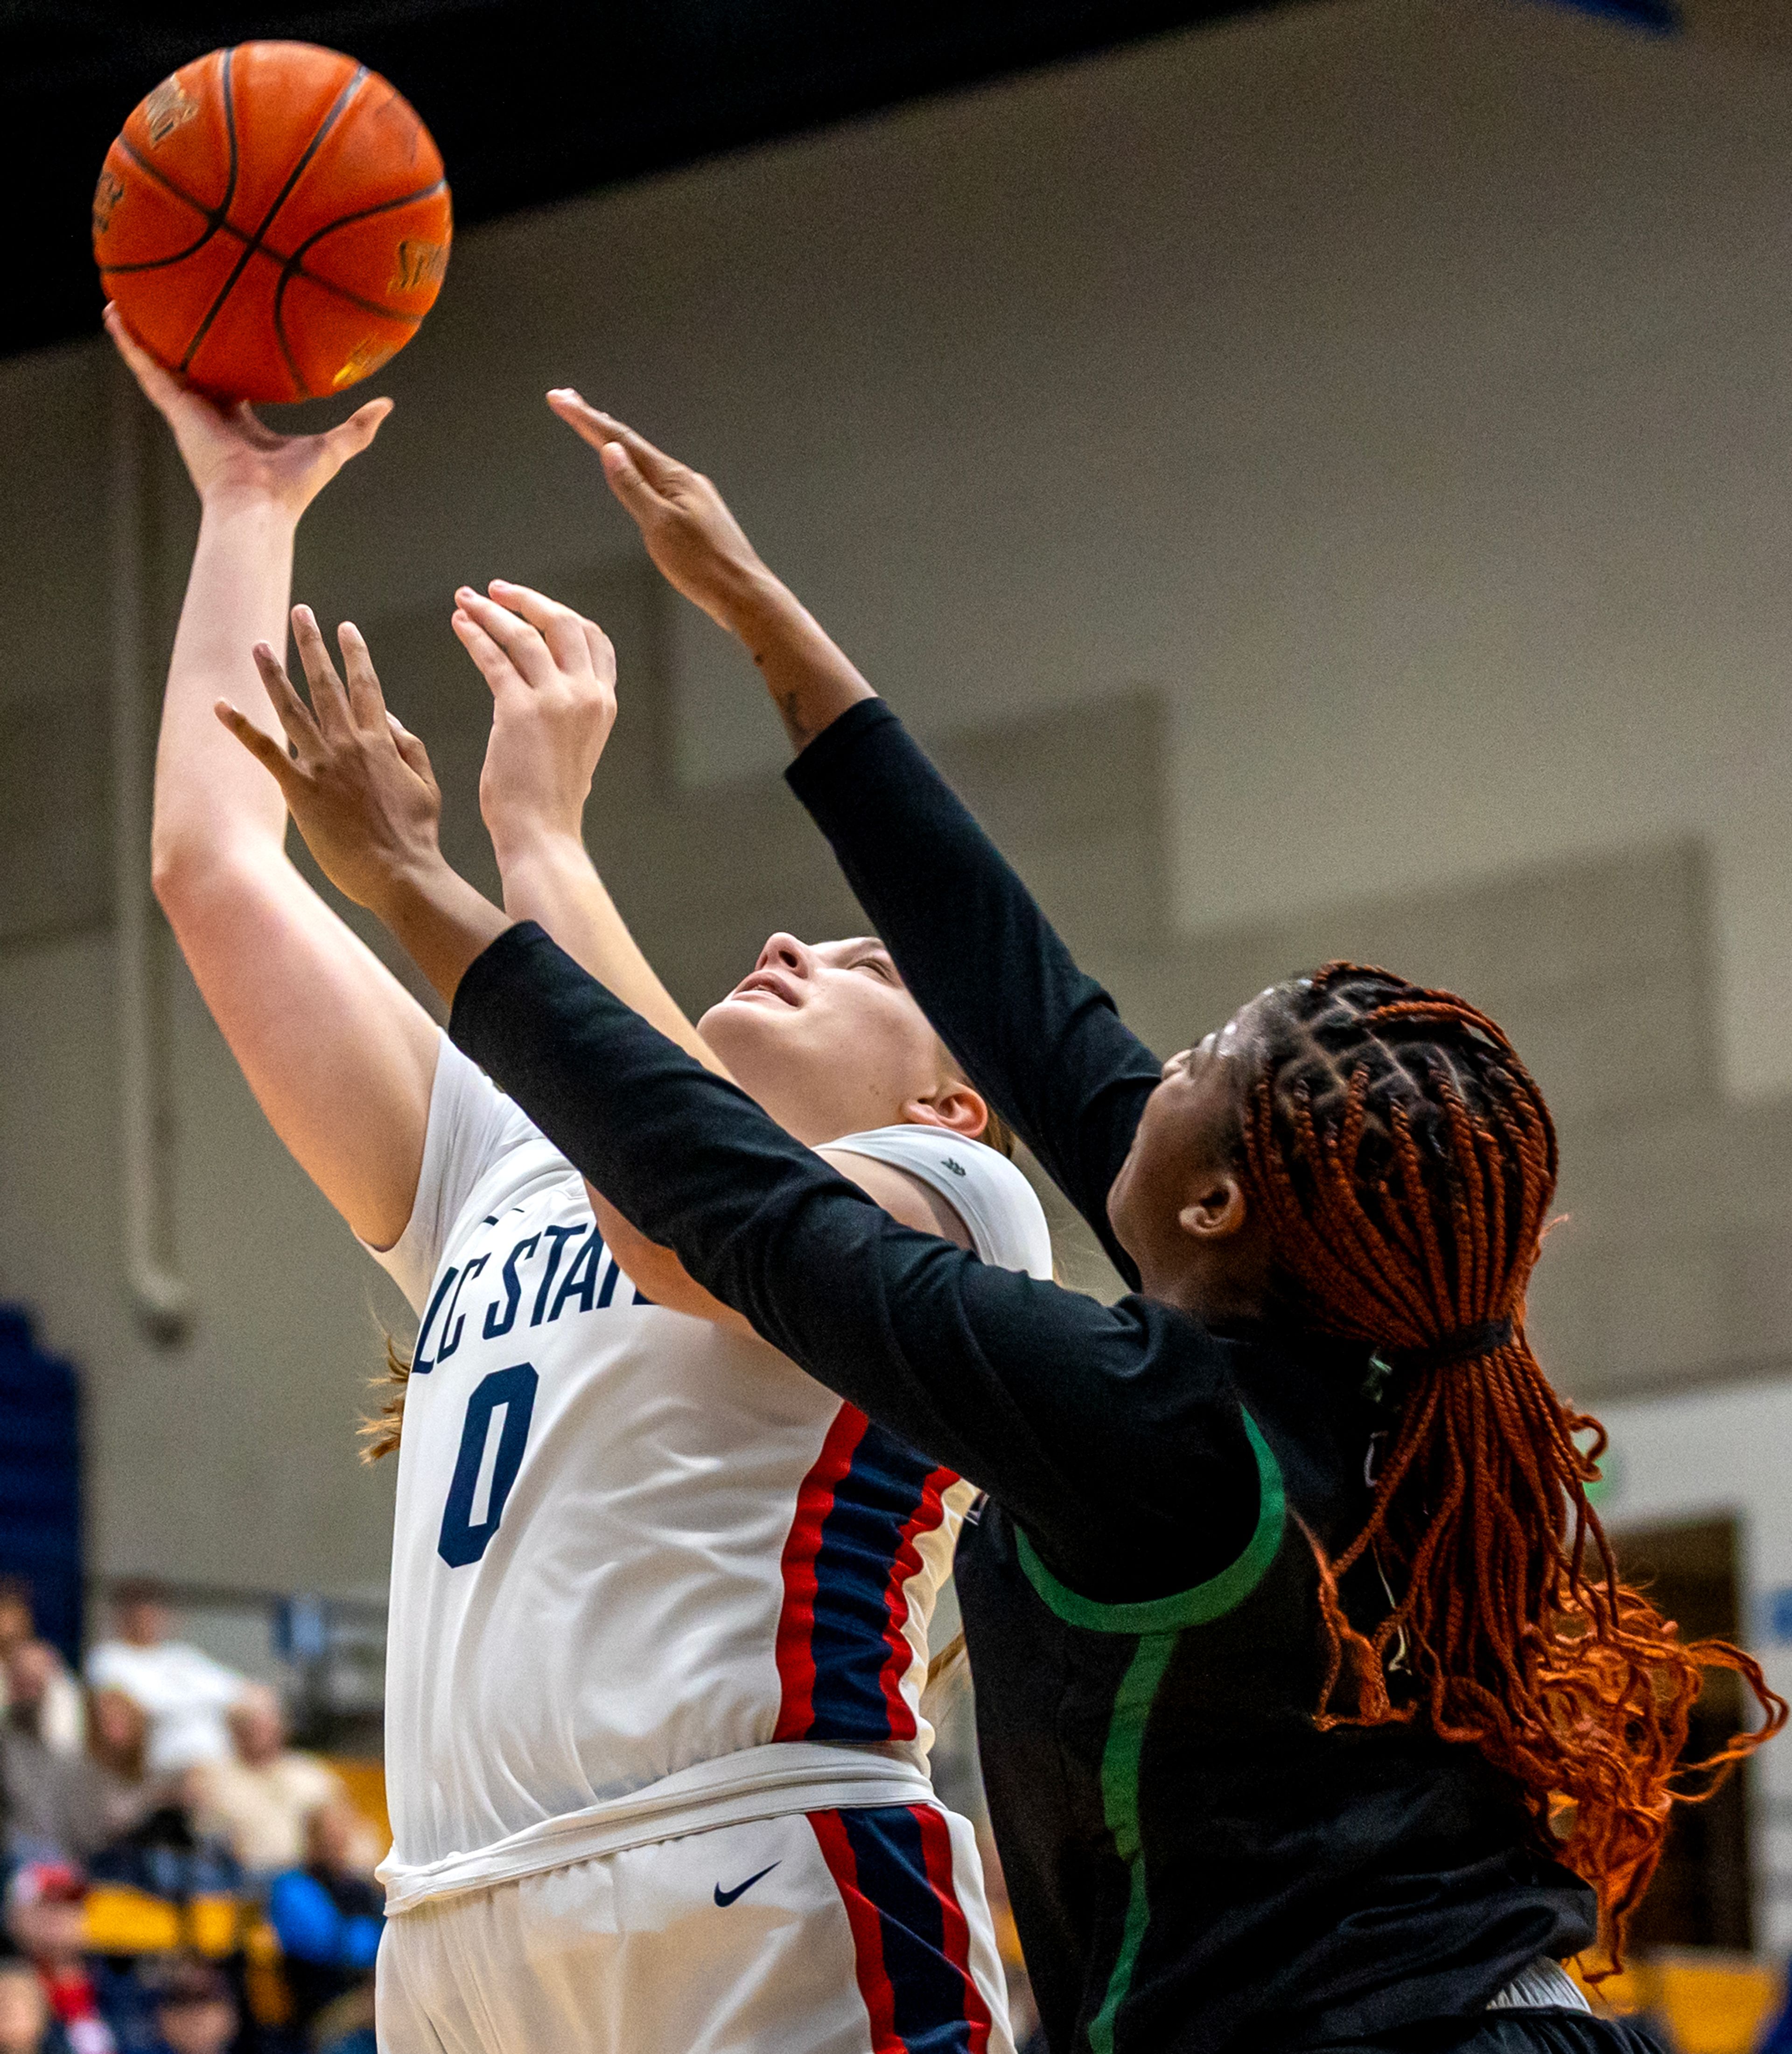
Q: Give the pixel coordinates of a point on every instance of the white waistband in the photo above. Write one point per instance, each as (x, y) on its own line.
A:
(758, 1783)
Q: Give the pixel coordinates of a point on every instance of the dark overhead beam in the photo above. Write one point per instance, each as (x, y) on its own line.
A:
(530, 101)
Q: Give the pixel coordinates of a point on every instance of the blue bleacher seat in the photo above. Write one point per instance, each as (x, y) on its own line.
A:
(39, 1478)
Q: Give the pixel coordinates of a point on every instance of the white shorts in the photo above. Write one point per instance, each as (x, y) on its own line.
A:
(847, 1932)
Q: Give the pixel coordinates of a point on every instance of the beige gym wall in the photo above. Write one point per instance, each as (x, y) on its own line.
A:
(1322, 482)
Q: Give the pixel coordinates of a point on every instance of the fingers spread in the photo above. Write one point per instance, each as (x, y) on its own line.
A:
(411, 747)
(294, 715)
(330, 702)
(367, 704)
(260, 744)
(559, 626)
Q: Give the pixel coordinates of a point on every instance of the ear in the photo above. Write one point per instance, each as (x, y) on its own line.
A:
(1219, 1210)
(954, 1106)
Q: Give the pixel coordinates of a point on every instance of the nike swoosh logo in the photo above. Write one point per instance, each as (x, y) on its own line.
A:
(725, 1898)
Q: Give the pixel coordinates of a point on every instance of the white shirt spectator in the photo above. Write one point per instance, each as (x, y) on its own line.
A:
(184, 1691)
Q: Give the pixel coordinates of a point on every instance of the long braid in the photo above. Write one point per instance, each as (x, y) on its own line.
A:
(1406, 1162)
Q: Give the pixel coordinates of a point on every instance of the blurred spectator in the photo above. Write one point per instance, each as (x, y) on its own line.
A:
(116, 1791)
(60, 1806)
(160, 1891)
(185, 1693)
(25, 2024)
(57, 1719)
(41, 1784)
(347, 2027)
(45, 1919)
(195, 2008)
(165, 1862)
(327, 1915)
(259, 1799)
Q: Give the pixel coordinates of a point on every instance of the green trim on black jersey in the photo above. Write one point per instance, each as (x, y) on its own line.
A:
(1202, 1604)
(1121, 1760)
(1158, 1623)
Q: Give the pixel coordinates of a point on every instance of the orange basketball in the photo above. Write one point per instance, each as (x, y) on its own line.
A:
(273, 222)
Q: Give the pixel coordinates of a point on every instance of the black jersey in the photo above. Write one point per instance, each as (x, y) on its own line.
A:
(1193, 1864)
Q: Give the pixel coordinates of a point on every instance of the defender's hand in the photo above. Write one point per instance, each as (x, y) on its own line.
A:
(358, 784)
(553, 677)
(696, 544)
(228, 453)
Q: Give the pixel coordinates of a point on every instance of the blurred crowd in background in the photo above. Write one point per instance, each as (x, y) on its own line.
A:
(176, 1877)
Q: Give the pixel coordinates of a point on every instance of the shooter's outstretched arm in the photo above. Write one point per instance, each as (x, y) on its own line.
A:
(339, 1056)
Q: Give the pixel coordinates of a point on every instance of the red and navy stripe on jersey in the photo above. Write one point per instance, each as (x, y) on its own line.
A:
(892, 1866)
(854, 1546)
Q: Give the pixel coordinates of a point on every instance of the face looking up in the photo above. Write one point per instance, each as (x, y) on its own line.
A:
(826, 1036)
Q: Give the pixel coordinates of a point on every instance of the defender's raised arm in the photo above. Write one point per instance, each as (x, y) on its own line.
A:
(1042, 1041)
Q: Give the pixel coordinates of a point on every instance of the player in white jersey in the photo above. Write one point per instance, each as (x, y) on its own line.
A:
(656, 1760)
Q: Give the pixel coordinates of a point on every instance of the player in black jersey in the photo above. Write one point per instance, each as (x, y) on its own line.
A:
(1314, 1714)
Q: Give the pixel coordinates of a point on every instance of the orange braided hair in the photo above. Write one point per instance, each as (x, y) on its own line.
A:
(1406, 1162)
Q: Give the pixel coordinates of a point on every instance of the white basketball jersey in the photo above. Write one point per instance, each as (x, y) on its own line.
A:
(628, 1540)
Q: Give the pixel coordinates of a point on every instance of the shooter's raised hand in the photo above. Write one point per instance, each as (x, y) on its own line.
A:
(553, 677)
(696, 544)
(359, 784)
(230, 453)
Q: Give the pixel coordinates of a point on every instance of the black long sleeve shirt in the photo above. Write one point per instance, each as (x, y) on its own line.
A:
(1194, 1865)
(1059, 1406)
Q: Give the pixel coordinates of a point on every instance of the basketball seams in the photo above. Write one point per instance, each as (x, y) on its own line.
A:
(311, 148)
(160, 263)
(229, 87)
(214, 218)
(331, 159)
(297, 376)
(294, 266)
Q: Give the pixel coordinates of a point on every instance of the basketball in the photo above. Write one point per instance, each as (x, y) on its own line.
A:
(272, 222)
